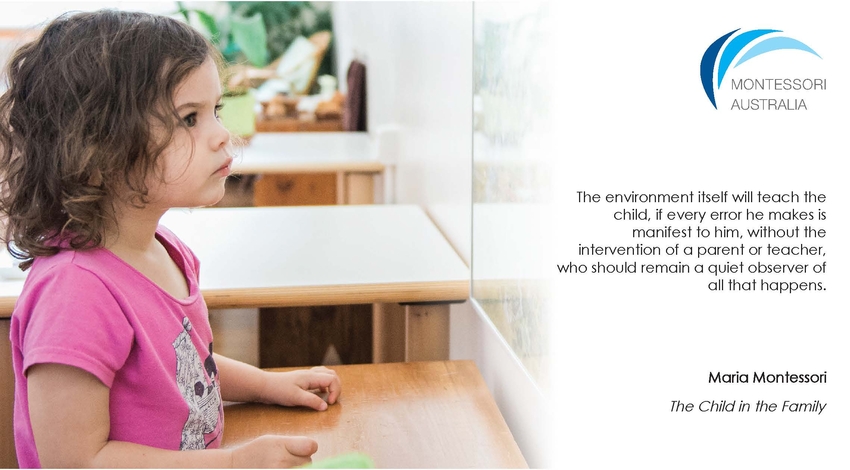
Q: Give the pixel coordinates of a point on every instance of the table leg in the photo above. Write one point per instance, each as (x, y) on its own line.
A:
(341, 187)
(388, 332)
(359, 188)
(427, 332)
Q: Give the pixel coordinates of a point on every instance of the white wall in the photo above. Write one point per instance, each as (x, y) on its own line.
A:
(418, 59)
(24, 15)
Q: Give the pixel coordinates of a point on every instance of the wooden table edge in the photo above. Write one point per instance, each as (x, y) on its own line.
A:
(314, 296)
(296, 296)
(329, 167)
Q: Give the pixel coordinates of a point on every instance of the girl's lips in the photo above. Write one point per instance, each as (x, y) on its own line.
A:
(225, 168)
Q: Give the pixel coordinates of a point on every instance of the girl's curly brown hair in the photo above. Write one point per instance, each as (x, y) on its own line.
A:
(76, 123)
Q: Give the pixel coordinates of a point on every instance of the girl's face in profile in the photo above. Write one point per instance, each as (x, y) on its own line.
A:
(198, 159)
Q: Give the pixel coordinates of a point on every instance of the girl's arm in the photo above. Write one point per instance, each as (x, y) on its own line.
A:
(243, 382)
(69, 413)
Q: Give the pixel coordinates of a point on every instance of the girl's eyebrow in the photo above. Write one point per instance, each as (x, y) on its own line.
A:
(193, 104)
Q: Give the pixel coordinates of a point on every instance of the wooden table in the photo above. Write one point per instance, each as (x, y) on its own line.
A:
(326, 255)
(302, 256)
(290, 163)
(402, 415)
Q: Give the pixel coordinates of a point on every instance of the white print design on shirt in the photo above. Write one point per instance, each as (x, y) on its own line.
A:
(201, 394)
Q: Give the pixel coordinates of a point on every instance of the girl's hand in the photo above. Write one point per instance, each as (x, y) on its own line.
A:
(274, 452)
(300, 388)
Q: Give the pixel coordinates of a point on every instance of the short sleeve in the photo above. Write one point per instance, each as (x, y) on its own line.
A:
(73, 319)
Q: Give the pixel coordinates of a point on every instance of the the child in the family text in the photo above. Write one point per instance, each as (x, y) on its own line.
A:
(109, 120)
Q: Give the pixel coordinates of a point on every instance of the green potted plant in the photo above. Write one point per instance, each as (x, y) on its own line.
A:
(249, 36)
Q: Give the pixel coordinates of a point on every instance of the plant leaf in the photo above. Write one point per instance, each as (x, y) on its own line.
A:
(182, 10)
(250, 35)
(208, 22)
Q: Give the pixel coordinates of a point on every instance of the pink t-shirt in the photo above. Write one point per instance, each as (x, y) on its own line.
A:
(91, 310)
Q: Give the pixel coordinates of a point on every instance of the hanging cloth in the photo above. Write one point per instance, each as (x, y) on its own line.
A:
(354, 117)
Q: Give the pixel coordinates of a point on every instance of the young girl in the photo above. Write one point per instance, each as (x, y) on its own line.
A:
(110, 119)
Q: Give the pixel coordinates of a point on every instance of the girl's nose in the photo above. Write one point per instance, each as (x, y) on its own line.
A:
(221, 136)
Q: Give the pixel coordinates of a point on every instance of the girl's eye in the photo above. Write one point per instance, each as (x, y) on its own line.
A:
(217, 109)
(191, 120)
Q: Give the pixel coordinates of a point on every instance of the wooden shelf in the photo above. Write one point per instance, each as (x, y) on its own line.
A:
(299, 125)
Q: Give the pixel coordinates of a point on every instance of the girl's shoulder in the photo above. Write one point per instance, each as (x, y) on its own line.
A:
(100, 270)
(68, 278)
(70, 268)
(65, 262)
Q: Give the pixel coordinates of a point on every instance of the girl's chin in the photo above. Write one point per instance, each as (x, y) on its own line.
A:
(217, 198)
(206, 202)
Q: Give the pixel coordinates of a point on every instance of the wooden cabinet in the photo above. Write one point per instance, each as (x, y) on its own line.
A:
(313, 189)
(297, 189)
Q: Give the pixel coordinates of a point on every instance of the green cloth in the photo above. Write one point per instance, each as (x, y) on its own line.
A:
(352, 460)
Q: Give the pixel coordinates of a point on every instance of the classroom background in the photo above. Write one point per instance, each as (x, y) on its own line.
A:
(443, 106)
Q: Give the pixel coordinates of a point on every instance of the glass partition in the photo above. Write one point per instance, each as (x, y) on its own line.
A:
(511, 186)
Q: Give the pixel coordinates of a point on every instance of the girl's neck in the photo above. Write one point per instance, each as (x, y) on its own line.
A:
(134, 241)
(134, 229)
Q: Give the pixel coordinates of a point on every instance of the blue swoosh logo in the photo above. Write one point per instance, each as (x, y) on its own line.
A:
(735, 46)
